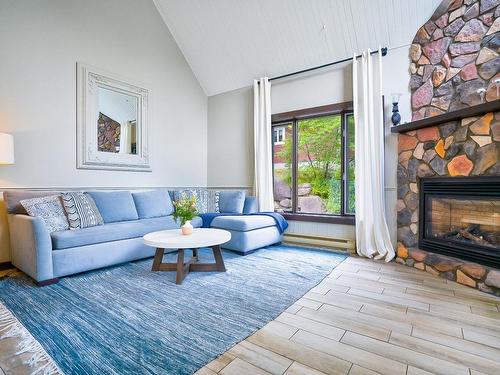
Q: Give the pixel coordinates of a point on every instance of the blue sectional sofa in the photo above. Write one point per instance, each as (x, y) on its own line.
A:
(48, 256)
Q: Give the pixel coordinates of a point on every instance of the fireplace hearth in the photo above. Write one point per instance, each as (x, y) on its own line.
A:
(460, 217)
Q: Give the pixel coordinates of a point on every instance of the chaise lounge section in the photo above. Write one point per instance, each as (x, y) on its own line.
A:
(248, 233)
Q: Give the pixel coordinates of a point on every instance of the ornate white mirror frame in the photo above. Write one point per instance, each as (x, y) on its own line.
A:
(89, 81)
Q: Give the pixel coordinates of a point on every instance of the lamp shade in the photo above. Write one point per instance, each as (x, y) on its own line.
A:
(6, 149)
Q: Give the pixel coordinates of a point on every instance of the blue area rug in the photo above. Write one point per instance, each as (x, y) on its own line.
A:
(129, 320)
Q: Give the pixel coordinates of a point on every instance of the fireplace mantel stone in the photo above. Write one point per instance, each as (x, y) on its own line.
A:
(477, 110)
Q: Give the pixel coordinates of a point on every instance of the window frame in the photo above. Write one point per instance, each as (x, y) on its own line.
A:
(281, 131)
(293, 117)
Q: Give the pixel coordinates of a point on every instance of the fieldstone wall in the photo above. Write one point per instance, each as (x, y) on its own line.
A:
(470, 147)
(454, 56)
(108, 134)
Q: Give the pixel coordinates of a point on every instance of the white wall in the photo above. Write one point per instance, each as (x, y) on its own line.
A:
(230, 124)
(41, 41)
(331, 85)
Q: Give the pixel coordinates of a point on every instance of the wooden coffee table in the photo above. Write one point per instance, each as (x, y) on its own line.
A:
(173, 240)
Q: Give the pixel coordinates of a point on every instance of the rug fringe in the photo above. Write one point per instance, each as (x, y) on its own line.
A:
(27, 344)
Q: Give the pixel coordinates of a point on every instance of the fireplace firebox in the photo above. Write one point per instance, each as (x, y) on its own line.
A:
(460, 217)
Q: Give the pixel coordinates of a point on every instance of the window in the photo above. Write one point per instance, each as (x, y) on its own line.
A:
(313, 163)
(279, 135)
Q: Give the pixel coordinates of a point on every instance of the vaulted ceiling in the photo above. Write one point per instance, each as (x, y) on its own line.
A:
(228, 43)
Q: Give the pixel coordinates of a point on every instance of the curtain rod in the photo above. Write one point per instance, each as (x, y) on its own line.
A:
(384, 52)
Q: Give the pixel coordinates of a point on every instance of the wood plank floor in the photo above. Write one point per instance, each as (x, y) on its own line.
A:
(370, 318)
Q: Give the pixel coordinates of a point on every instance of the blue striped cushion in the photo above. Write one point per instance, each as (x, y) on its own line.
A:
(81, 210)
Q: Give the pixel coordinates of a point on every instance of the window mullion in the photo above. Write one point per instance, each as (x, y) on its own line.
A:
(295, 195)
(343, 158)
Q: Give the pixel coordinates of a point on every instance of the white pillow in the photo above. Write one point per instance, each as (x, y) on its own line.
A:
(49, 209)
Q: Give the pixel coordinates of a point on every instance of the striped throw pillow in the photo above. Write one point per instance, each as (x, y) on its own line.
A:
(81, 210)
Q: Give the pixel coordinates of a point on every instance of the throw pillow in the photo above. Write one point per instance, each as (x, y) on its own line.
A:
(231, 201)
(49, 209)
(200, 194)
(216, 202)
(154, 203)
(81, 210)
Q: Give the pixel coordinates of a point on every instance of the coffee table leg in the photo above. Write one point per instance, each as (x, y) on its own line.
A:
(182, 269)
(158, 258)
(218, 259)
(195, 254)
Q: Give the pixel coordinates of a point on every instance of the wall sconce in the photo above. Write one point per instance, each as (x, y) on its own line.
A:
(481, 92)
(396, 117)
(6, 149)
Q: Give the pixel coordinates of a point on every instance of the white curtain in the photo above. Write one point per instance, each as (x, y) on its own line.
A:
(372, 234)
(263, 173)
(125, 138)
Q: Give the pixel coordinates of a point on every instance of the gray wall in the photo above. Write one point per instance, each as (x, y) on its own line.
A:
(230, 128)
(41, 41)
(230, 139)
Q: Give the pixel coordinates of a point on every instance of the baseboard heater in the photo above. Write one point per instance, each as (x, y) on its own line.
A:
(320, 241)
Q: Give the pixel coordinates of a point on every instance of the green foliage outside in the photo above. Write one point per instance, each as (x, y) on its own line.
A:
(320, 160)
(185, 209)
(350, 164)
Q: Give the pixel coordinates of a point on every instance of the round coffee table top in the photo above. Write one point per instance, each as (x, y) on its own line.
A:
(173, 239)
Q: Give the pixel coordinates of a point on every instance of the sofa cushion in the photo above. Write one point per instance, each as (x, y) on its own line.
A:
(154, 203)
(13, 199)
(197, 222)
(50, 210)
(114, 232)
(231, 202)
(251, 205)
(115, 206)
(242, 223)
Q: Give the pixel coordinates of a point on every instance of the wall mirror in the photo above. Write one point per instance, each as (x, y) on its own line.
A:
(112, 122)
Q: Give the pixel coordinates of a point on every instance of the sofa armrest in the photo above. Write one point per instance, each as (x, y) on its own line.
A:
(31, 246)
(251, 205)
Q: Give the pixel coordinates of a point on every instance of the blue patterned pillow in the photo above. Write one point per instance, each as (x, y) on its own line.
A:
(81, 210)
(200, 194)
(49, 209)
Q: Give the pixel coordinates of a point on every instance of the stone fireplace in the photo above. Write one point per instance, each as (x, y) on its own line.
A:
(448, 200)
(448, 208)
